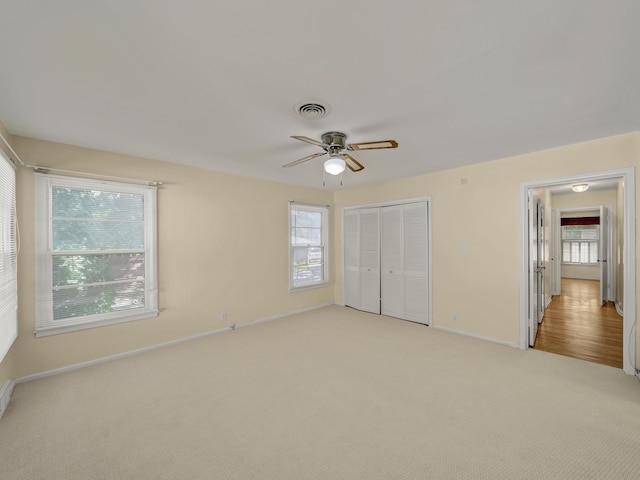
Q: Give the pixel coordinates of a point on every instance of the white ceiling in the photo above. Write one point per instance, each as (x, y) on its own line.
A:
(214, 83)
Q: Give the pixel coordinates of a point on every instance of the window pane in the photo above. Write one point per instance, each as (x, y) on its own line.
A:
(593, 252)
(307, 265)
(589, 232)
(81, 301)
(97, 235)
(580, 232)
(85, 219)
(575, 252)
(306, 236)
(98, 205)
(584, 252)
(302, 218)
(307, 275)
(78, 269)
(566, 251)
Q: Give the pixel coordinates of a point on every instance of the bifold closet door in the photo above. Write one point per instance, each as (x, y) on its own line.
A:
(362, 259)
(404, 257)
(369, 249)
(386, 260)
(391, 262)
(351, 255)
(415, 262)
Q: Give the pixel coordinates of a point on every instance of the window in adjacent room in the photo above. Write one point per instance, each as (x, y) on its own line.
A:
(95, 253)
(8, 253)
(580, 240)
(308, 240)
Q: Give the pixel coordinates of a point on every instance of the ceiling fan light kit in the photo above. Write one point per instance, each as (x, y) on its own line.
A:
(335, 166)
(334, 144)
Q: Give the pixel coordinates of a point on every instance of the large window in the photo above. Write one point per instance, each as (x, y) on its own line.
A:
(8, 269)
(308, 239)
(580, 244)
(96, 253)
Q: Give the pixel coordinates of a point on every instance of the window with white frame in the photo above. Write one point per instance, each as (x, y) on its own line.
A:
(95, 253)
(580, 244)
(308, 245)
(8, 254)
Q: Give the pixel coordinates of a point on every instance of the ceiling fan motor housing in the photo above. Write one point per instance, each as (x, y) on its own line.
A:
(334, 139)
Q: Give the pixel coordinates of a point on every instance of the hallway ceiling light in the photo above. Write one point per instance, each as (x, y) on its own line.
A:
(580, 187)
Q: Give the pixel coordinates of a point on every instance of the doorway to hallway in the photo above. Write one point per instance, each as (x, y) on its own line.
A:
(576, 325)
(625, 254)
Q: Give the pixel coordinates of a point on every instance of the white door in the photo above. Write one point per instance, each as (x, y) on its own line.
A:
(392, 260)
(369, 250)
(603, 254)
(416, 258)
(351, 255)
(534, 283)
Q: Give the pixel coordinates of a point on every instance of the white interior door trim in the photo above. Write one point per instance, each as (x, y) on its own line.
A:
(629, 254)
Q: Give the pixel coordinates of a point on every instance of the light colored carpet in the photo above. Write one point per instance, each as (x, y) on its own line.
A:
(329, 394)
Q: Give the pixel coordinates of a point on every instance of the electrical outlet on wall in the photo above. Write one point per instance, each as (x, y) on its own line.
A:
(454, 317)
(223, 316)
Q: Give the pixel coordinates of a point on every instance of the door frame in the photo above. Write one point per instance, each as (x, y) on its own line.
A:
(391, 203)
(629, 254)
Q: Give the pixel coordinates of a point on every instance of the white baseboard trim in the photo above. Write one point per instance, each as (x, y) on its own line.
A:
(478, 337)
(619, 308)
(138, 351)
(275, 317)
(549, 299)
(5, 395)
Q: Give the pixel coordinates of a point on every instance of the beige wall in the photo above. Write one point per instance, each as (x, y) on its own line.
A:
(482, 283)
(222, 247)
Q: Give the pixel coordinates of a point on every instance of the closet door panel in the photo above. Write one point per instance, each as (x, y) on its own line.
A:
(351, 270)
(415, 237)
(391, 276)
(369, 244)
(415, 298)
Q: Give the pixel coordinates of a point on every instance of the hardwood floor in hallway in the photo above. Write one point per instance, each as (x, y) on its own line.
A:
(576, 325)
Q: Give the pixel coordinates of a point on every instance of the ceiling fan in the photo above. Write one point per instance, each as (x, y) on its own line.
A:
(334, 144)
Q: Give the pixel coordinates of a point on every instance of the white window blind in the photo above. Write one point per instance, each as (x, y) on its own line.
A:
(96, 253)
(308, 239)
(8, 254)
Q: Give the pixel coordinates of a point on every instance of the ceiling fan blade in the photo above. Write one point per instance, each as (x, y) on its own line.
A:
(305, 159)
(373, 145)
(309, 140)
(352, 163)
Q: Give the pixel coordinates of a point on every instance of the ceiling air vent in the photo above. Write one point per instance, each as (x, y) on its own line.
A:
(313, 110)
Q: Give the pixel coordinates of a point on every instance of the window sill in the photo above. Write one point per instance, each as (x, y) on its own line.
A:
(68, 328)
(309, 287)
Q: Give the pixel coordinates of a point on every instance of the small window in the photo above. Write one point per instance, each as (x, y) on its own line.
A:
(96, 253)
(580, 244)
(308, 240)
